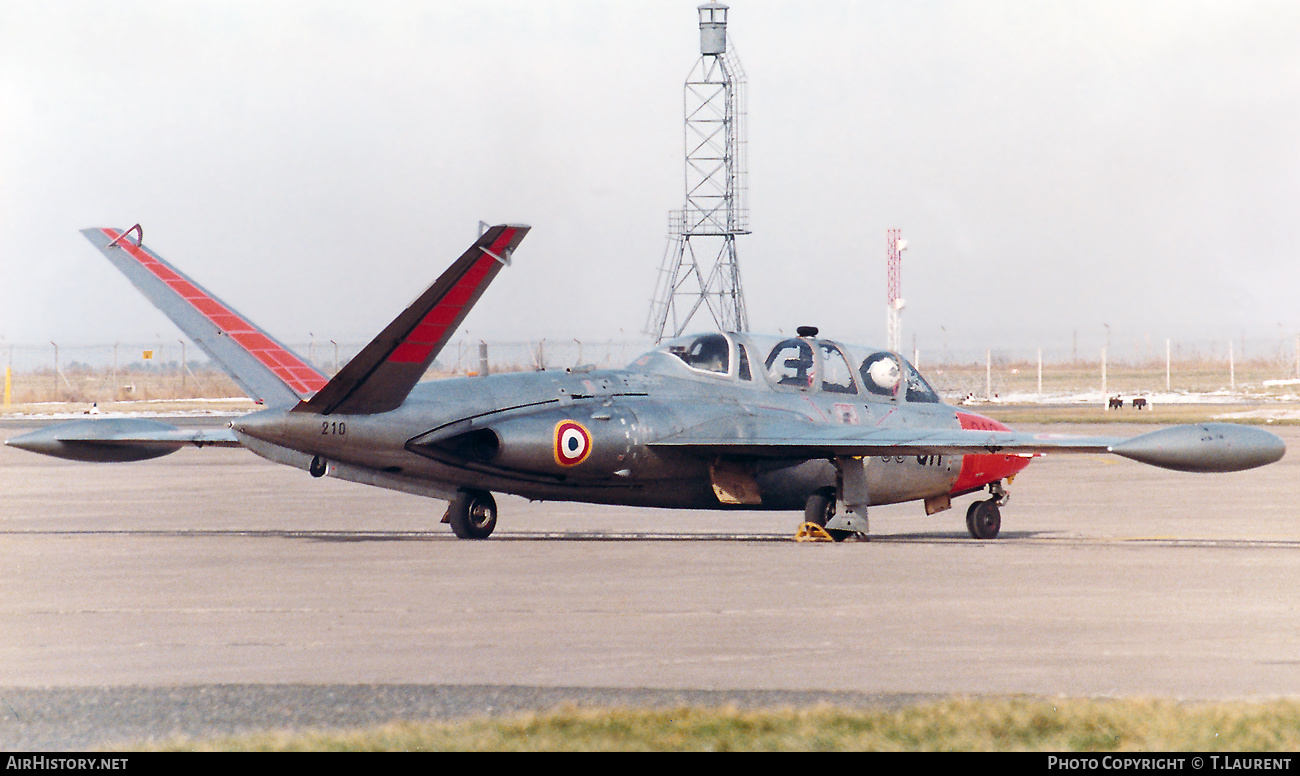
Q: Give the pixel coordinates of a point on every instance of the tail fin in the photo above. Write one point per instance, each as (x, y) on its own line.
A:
(381, 376)
(267, 370)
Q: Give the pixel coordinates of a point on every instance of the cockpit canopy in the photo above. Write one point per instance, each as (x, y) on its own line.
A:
(800, 364)
(709, 352)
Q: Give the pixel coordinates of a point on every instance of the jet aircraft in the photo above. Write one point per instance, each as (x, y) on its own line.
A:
(719, 420)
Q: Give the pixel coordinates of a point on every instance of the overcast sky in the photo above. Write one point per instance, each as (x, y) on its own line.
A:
(1127, 169)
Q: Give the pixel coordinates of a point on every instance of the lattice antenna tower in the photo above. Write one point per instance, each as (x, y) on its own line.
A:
(699, 269)
(894, 247)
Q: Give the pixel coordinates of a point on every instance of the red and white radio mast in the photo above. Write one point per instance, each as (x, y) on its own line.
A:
(895, 245)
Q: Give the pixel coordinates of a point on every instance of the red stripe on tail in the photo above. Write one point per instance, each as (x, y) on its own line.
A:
(303, 378)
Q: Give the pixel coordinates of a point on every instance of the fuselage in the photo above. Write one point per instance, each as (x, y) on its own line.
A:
(587, 435)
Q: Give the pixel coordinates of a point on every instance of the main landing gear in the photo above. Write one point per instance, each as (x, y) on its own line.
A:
(472, 514)
(820, 508)
(984, 518)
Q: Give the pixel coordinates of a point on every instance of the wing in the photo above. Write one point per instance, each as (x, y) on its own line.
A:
(1205, 447)
(267, 370)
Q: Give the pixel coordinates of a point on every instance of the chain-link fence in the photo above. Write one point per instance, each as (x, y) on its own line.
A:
(144, 371)
(178, 369)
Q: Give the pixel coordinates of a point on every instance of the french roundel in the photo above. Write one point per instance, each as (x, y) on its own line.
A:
(572, 443)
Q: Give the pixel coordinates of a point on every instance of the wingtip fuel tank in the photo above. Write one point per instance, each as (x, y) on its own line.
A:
(1204, 447)
(100, 440)
(117, 440)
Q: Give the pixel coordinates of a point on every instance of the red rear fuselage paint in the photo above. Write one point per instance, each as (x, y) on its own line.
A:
(979, 470)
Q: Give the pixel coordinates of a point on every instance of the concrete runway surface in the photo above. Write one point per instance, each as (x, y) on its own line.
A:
(170, 592)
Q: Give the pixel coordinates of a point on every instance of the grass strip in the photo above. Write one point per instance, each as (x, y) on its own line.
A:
(958, 724)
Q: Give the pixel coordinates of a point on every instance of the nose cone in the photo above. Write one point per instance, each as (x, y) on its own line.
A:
(1205, 447)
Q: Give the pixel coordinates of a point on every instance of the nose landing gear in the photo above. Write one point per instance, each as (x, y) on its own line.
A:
(984, 518)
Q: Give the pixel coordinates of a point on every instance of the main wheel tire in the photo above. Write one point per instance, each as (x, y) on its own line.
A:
(984, 519)
(473, 515)
(820, 508)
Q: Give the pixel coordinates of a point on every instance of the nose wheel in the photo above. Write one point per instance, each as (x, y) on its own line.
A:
(984, 519)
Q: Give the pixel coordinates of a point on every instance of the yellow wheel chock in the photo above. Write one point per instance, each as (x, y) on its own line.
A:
(811, 532)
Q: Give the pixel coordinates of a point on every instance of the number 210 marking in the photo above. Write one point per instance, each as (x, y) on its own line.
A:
(333, 427)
